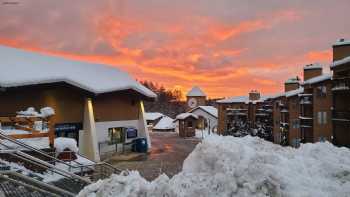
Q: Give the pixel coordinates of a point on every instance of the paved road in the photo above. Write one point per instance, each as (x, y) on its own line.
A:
(167, 156)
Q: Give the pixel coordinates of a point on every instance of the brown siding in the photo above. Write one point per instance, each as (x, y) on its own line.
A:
(276, 120)
(323, 104)
(311, 73)
(290, 86)
(340, 52)
(221, 118)
(116, 106)
(293, 107)
(67, 101)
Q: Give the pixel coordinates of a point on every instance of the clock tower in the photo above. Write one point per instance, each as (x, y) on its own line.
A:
(195, 97)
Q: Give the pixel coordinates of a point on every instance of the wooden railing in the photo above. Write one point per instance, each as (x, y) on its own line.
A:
(28, 124)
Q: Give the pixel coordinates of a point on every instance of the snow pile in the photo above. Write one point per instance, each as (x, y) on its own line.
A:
(63, 143)
(47, 112)
(31, 112)
(228, 166)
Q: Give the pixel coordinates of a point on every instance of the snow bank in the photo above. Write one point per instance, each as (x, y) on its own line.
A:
(62, 143)
(228, 166)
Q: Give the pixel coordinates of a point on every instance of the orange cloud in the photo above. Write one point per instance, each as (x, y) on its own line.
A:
(323, 56)
(177, 55)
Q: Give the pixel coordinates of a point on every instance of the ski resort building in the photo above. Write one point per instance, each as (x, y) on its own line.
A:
(341, 92)
(302, 115)
(316, 105)
(99, 105)
(244, 111)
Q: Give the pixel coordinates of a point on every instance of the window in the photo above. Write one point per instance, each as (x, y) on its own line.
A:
(321, 91)
(322, 118)
(116, 135)
(189, 124)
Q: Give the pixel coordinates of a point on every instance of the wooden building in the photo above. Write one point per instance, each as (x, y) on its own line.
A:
(96, 104)
(195, 97)
(316, 105)
(186, 124)
(247, 111)
(286, 113)
(341, 92)
(207, 117)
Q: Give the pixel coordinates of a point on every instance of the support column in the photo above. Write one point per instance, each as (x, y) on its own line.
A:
(89, 136)
(143, 131)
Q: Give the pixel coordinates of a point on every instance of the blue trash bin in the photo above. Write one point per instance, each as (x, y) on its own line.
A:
(141, 145)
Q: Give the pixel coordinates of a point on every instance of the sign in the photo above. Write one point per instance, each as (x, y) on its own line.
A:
(68, 127)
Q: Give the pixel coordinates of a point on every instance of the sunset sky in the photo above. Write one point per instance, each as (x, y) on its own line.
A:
(227, 47)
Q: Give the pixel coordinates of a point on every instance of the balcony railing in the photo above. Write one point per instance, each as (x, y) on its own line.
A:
(341, 84)
(306, 100)
(341, 115)
(306, 122)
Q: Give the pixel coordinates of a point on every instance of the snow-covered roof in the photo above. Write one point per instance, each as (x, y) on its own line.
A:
(209, 109)
(186, 115)
(280, 94)
(318, 79)
(196, 91)
(313, 66)
(340, 62)
(294, 92)
(341, 42)
(153, 115)
(292, 80)
(165, 123)
(20, 68)
(242, 99)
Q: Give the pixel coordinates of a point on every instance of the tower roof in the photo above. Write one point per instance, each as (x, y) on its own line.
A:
(196, 91)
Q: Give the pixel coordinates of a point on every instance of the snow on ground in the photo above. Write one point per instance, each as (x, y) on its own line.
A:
(61, 143)
(229, 166)
(201, 134)
(47, 177)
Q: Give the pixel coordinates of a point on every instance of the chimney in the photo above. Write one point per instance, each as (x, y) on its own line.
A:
(254, 95)
(312, 70)
(292, 84)
(341, 49)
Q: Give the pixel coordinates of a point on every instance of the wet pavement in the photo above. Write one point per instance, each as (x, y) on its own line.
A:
(167, 156)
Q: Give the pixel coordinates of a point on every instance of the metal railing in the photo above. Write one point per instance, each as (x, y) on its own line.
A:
(33, 184)
(73, 170)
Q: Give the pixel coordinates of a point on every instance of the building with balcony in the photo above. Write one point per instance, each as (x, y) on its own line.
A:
(316, 105)
(341, 92)
(244, 112)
